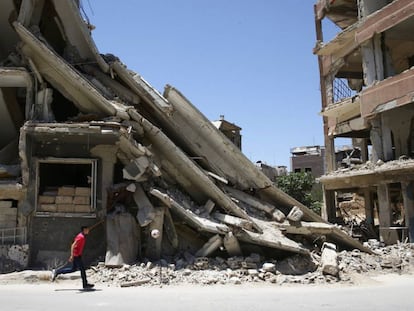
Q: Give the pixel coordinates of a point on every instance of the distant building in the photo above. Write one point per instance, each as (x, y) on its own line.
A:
(308, 159)
(230, 130)
(272, 172)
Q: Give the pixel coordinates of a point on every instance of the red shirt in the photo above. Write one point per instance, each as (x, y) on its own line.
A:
(79, 244)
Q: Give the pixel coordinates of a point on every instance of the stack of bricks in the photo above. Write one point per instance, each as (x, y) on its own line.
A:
(67, 199)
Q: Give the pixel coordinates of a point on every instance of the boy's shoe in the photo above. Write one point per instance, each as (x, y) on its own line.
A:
(54, 275)
(88, 286)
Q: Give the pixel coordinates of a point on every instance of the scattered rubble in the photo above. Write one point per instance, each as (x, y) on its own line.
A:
(186, 269)
(150, 166)
(371, 167)
(397, 258)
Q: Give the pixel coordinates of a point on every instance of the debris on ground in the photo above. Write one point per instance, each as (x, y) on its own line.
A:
(189, 270)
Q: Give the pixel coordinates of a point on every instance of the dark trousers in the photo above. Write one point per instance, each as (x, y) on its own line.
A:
(77, 264)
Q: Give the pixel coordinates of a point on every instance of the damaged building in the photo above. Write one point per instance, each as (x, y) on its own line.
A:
(86, 141)
(367, 87)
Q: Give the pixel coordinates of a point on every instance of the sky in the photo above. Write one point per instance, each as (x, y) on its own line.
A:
(249, 60)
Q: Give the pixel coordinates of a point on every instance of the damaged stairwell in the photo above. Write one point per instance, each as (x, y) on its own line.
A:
(144, 160)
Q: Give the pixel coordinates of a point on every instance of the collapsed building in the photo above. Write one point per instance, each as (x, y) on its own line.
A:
(87, 141)
(367, 92)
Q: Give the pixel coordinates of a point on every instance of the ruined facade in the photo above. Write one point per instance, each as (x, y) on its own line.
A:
(367, 88)
(86, 141)
(308, 159)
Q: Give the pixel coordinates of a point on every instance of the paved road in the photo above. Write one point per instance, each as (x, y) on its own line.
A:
(391, 293)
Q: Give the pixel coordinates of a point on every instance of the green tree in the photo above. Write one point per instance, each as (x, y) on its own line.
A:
(301, 186)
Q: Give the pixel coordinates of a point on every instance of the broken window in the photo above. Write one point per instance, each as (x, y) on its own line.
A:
(66, 185)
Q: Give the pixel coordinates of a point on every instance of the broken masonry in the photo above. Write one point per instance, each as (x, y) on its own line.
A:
(85, 139)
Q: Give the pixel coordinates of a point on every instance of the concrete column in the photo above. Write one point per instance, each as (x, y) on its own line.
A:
(387, 235)
(387, 143)
(400, 124)
(328, 211)
(369, 207)
(329, 154)
(372, 56)
(407, 189)
(154, 244)
(107, 154)
(376, 140)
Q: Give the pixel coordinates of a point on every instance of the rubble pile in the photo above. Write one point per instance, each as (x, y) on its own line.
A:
(162, 177)
(253, 269)
(374, 167)
(398, 258)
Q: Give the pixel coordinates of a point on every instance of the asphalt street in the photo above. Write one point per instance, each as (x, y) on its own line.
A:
(387, 293)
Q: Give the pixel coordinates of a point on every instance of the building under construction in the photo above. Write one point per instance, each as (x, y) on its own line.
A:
(367, 87)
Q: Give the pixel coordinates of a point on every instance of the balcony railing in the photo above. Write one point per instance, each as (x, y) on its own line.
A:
(341, 90)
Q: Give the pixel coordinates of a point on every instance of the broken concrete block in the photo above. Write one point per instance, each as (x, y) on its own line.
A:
(208, 207)
(201, 263)
(146, 211)
(295, 214)
(233, 221)
(278, 215)
(212, 244)
(136, 168)
(231, 244)
(131, 188)
(329, 259)
(122, 239)
(135, 283)
(269, 267)
(252, 272)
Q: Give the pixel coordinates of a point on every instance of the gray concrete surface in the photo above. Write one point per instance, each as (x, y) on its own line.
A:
(390, 292)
